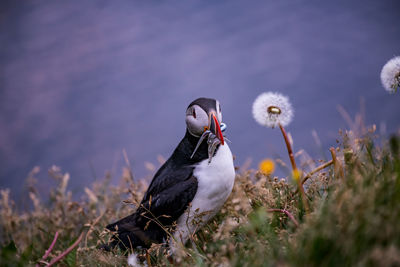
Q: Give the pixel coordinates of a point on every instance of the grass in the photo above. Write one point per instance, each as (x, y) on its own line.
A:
(353, 217)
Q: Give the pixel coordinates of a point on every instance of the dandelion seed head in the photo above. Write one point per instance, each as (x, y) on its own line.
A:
(269, 109)
(390, 75)
(133, 261)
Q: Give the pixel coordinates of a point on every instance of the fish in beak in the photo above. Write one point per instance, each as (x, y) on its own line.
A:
(215, 128)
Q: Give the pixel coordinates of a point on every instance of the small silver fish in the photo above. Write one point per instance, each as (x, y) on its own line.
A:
(212, 142)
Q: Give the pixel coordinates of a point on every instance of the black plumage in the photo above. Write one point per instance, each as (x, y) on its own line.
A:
(168, 196)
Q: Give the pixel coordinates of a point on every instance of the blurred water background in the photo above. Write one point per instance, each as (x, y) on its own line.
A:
(80, 81)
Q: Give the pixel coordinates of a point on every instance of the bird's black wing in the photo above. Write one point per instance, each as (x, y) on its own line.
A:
(167, 198)
(167, 176)
(169, 194)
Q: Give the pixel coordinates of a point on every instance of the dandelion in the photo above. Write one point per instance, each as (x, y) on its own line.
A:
(133, 261)
(390, 75)
(271, 109)
(267, 166)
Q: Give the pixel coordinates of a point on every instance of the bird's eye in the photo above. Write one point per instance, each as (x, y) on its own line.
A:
(194, 113)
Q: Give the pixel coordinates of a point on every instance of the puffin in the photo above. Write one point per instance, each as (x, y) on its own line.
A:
(187, 190)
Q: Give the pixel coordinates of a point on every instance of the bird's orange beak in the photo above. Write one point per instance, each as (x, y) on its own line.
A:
(215, 128)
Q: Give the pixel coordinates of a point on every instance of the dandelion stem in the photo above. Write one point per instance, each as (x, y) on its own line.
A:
(294, 167)
(289, 147)
(291, 217)
(67, 251)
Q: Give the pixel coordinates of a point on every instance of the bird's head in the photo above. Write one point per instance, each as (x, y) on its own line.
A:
(204, 120)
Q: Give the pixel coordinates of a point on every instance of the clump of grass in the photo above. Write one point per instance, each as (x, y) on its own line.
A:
(353, 218)
(31, 232)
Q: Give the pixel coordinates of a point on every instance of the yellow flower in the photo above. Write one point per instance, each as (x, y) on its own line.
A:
(267, 166)
(296, 174)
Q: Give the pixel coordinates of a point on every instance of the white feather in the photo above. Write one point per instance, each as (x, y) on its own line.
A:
(215, 183)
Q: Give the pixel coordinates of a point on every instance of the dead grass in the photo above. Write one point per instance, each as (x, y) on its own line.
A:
(353, 218)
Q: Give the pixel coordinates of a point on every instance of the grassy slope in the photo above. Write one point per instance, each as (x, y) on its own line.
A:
(354, 219)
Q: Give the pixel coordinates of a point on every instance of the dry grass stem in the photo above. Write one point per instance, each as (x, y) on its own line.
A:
(319, 168)
(47, 253)
(66, 252)
(291, 217)
(337, 165)
(91, 227)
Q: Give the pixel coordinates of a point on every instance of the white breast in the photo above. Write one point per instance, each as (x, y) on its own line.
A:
(215, 183)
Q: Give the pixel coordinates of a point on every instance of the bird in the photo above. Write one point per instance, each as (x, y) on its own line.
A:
(187, 190)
